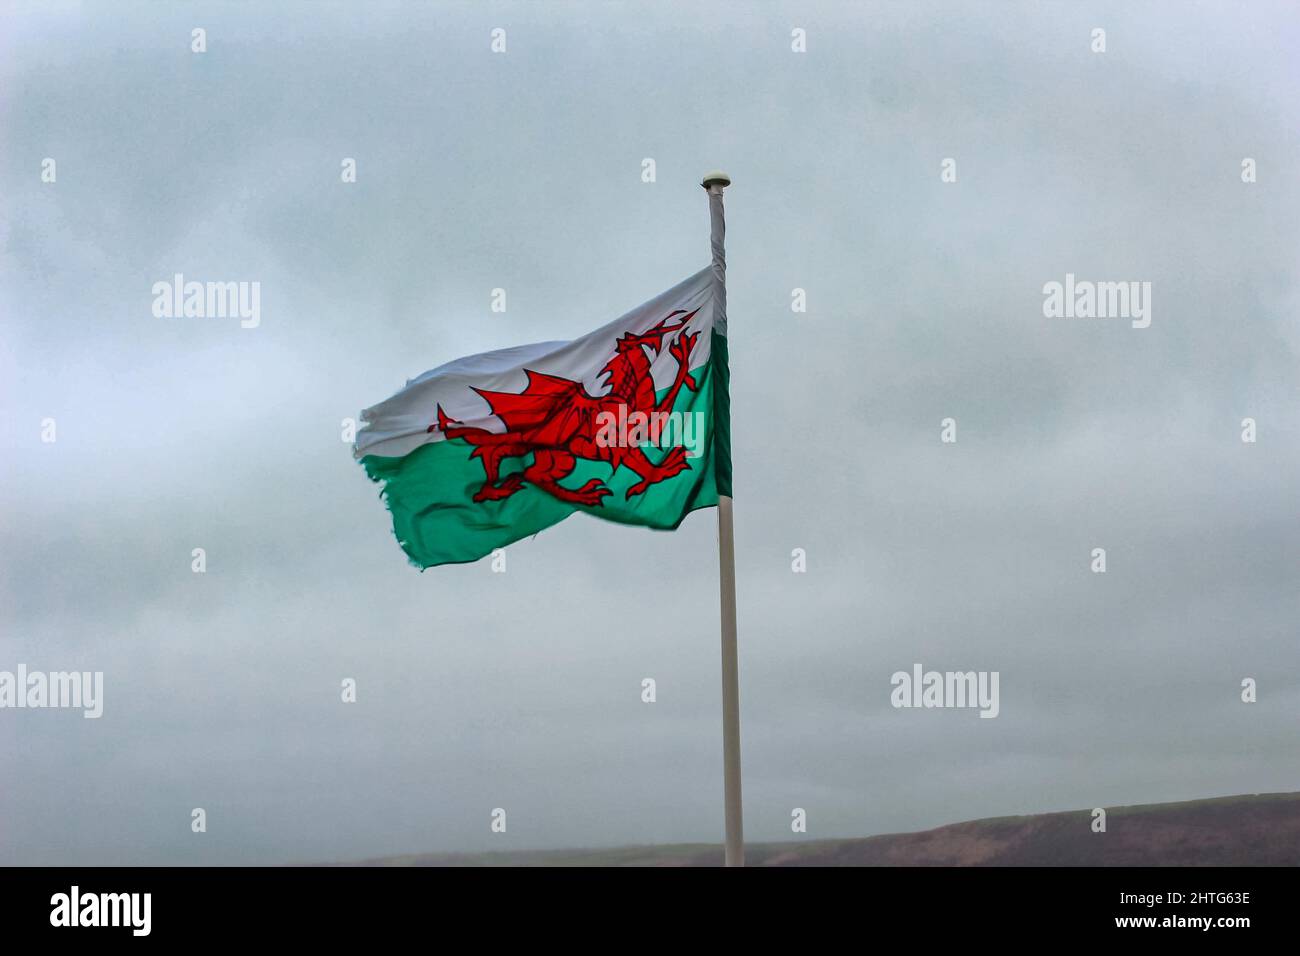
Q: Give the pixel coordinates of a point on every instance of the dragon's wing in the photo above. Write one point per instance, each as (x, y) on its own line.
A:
(542, 400)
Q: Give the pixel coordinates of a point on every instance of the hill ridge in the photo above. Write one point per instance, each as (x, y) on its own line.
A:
(1261, 829)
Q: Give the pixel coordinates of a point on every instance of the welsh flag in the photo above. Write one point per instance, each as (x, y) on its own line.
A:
(630, 423)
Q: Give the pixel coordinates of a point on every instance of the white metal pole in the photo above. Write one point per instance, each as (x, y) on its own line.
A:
(735, 845)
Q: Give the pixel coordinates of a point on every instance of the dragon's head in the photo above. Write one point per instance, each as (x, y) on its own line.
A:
(630, 363)
(653, 337)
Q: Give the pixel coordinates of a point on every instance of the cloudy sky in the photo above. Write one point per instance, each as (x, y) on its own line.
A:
(522, 170)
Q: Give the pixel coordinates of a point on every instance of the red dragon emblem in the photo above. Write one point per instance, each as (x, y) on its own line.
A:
(557, 420)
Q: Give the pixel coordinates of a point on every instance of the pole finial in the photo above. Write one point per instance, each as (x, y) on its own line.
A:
(716, 178)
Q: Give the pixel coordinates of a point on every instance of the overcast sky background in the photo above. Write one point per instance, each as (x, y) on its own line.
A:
(523, 171)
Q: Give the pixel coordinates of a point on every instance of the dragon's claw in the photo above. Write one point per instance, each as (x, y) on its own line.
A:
(674, 462)
(508, 486)
(682, 347)
(591, 493)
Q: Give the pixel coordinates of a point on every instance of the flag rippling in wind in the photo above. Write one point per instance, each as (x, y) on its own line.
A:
(630, 423)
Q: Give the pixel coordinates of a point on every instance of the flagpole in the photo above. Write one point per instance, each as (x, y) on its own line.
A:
(714, 183)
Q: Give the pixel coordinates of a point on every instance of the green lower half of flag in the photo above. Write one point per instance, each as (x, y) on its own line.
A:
(430, 491)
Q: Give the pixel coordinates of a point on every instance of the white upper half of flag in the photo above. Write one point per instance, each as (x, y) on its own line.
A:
(398, 425)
